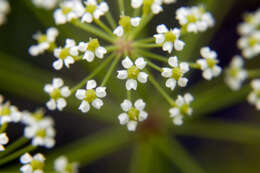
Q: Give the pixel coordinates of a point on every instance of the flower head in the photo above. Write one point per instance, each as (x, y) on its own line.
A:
(58, 93)
(62, 165)
(176, 73)
(250, 23)
(45, 42)
(236, 74)
(181, 108)
(133, 72)
(3, 141)
(9, 113)
(209, 63)
(169, 39)
(154, 6)
(254, 96)
(91, 95)
(126, 23)
(250, 44)
(4, 10)
(46, 4)
(132, 114)
(32, 164)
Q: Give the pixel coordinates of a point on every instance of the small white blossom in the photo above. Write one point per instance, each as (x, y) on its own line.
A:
(58, 93)
(176, 73)
(46, 4)
(236, 74)
(9, 113)
(68, 11)
(133, 72)
(209, 63)
(154, 6)
(45, 42)
(4, 10)
(133, 113)
(169, 39)
(91, 50)
(90, 95)
(93, 10)
(3, 141)
(62, 165)
(194, 19)
(126, 24)
(32, 164)
(181, 108)
(254, 96)
(250, 23)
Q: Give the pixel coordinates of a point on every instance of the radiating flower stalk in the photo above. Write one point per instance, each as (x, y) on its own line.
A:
(119, 47)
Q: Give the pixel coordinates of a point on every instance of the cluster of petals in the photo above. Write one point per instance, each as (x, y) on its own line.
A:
(46, 4)
(254, 96)
(9, 113)
(62, 165)
(3, 141)
(32, 164)
(4, 10)
(125, 25)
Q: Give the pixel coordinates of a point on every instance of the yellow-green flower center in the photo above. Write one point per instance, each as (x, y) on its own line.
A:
(234, 71)
(169, 36)
(37, 165)
(125, 23)
(56, 94)
(66, 10)
(133, 114)
(41, 133)
(38, 115)
(176, 73)
(69, 168)
(191, 18)
(252, 41)
(5, 111)
(147, 6)
(42, 38)
(90, 95)
(91, 8)
(64, 53)
(93, 45)
(133, 72)
(184, 109)
(211, 62)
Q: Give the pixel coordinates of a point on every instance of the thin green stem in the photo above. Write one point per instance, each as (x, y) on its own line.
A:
(154, 66)
(110, 71)
(110, 20)
(94, 73)
(104, 27)
(136, 12)
(121, 6)
(3, 128)
(253, 73)
(18, 143)
(194, 65)
(151, 55)
(93, 30)
(128, 92)
(145, 45)
(161, 90)
(17, 154)
(146, 40)
(111, 48)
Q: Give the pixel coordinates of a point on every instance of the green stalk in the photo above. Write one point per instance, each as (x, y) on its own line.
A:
(146, 40)
(110, 20)
(104, 27)
(94, 73)
(121, 6)
(194, 65)
(145, 45)
(154, 66)
(151, 55)
(3, 128)
(128, 93)
(110, 71)
(253, 73)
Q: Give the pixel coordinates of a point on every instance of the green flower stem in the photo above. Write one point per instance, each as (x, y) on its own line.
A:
(104, 27)
(145, 20)
(3, 128)
(17, 154)
(110, 20)
(253, 73)
(121, 6)
(145, 45)
(146, 40)
(111, 48)
(110, 71)
(93, 30)
(94, 73)
(136, 12)
(160, 89)
(18, 143)
(154, 66)
(128, 92)
(151, 55)
(194, 65)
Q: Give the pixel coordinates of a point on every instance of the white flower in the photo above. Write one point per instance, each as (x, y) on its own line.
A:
(133, 72)
(69, 10)
(236, 74)
(62, 165)
(181, 108)
(155, 6)
(65, 55)
(93, 10)
(30, 119)
(250, 23)
(46, 4)
(90, 95)
(132, 114)
(125, 25)
(176, 73)
(209, 63)
(91, 50)
(194, 19)
(4, 10)
(9, 113)
(3, 141)
(45, 42)
(169, 39)
(58, 93)
(254, 96)
(32, 164)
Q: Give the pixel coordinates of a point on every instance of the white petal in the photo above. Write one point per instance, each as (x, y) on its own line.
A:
(82, 46)
(122, 74)
(26, 169)
(3, 139)
(140, 104)
(131, 125)
(97, 103)
(69, 60)
(51, 104)
(182, 82)
(26, 158)
(91, 84)
(87, 18)
(127, 63)
(207, 74)
(216, 70)
(119, 31)
(178, 120)
(57, 82)
(174, 112)
(179, 45)
(142, 77)
(80, 94)
(74, 51)
(170, 83)
(142, 116)
(84, 106)
(131, 84)
(173, 61)
(58, 64)
(100, 52)
(140, 63)
(161, 29)
(101, 92)
(123, 118)
(39, 157)
(65, 91)
(159, 38)
(167, 72)
(135, 21)
(167, 46)
(184, 67)
(188, 98)
(48, 88)
(61, 103)
(89, 56)
(126, 105)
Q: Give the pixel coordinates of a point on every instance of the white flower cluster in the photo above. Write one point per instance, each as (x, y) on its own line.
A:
(3, 141)
(9, 113)
(45, 41)
(32, 164)
(46, 4)
(132, 114)
(168, 38)
(4, 10)
(70, 10)
(90, 95)
(150, 5)
(58, 92)
(133, 72)
(235, 73)
(181, 109)
(254, 96)
(39, 128)
(62, 165)
(209, 63)
(125, 25)
(175, 74)
(249, 30)
(194, 19)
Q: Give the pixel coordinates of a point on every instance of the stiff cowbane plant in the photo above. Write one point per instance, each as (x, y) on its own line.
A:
(129, 71)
